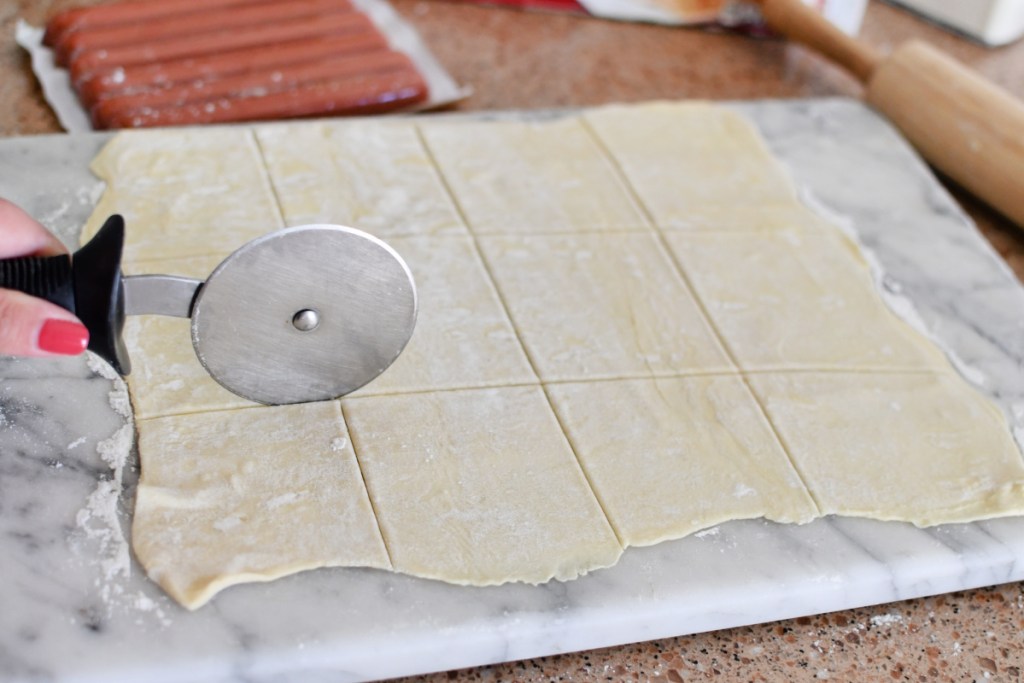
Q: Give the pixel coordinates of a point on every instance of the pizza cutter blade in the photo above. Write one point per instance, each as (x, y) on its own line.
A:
(302, 314)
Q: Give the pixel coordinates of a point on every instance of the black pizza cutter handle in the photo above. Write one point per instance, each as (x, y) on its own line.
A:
(89, 284)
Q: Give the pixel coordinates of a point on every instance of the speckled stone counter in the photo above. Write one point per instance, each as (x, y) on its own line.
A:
(521, 61)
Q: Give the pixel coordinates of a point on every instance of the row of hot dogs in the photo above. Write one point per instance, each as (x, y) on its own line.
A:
(178, 62)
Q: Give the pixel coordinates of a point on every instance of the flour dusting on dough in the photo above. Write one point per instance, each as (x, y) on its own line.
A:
(742, 491)
(283, 499)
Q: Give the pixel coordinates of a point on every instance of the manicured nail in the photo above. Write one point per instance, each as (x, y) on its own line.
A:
(63, 336)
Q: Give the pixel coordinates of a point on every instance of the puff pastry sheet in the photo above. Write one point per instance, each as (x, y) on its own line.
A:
(630, 330)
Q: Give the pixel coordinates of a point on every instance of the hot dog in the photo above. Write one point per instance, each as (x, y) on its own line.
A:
(260, 83)
(118, 35)
(114, 81)
(72, 20)
(214, 61)
(219, 41)
(358, 95)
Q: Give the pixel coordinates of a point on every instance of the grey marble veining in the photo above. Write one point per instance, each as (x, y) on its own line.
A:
(75, 607)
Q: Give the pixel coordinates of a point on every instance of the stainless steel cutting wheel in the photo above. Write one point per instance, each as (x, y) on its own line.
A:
(304, 314)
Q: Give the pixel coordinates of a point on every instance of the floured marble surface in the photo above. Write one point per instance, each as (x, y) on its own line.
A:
(369, 624)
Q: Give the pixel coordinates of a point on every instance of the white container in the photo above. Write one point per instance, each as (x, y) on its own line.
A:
(736, 14)
(846, 14)
(993, 22)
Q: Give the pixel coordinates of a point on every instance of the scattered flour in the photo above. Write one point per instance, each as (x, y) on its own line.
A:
(119, 399)
(887, 619)
(76, 443)
(713, 531)
(227, 524)
(100, 519)
(55, 214)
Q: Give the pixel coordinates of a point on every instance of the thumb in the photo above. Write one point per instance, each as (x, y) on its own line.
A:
(33, 327)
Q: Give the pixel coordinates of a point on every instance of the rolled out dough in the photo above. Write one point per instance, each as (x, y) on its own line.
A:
(250, 495)
(515, 177)
(455, 503)
(630, 330)
(463, 337)
(601, 306)
(198, 192)
(813, 280)
(849, 432)
(374, 175)
(696, 450)
(708, 159)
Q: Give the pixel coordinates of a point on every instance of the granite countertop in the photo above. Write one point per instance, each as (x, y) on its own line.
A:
(517, 60)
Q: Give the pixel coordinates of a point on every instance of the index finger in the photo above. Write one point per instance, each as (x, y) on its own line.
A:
(22, 235)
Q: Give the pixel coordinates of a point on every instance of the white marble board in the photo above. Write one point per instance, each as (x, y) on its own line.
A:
(74, 607)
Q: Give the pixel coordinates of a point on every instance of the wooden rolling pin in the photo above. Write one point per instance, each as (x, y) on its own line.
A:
(968, 128)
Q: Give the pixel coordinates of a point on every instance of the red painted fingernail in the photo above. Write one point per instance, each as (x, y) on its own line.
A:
(63, 336)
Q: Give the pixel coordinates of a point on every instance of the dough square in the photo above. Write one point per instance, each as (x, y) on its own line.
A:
(922, 448)
(173, 205)
(537, 177)
(601, 306)
(463, 337)
(670, 456)
(682, 157)
(478, 487)
(250, 495)
(372, 175)
(790, 300)
(167, 377)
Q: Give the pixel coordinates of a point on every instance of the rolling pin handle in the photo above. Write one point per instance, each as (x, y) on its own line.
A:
(804, 24)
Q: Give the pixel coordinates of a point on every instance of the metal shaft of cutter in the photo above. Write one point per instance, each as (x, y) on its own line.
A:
(160, 295)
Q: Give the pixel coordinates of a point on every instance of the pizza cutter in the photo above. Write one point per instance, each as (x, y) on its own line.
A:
(302, 314)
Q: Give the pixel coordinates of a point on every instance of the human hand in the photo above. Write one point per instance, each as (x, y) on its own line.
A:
(31, 326)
